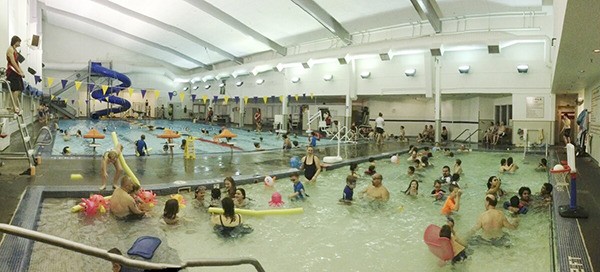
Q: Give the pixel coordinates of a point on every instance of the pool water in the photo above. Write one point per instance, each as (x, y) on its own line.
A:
(327, 236)
(129, 131)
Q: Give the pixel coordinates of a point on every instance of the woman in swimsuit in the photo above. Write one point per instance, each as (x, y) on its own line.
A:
(229, 224)
(311, 165)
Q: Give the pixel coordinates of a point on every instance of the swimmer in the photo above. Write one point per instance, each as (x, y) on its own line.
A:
(371, 171)
(492, 221)
(542, 165)
(452, 203)
(240, 198)
(298, 187)
(123, 205)
(458, 245)
(230, 187)
(413, 188)
(199, 195)
(215, 196)
(437, 192)
(66, 150)
(493, 185)
(353, 168)
(348, 190)
(376, 191)
(311, 164)
(457, 167)
(170, 212)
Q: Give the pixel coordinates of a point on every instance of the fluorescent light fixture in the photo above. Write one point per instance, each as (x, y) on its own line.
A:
(222, 84)
(196, 79)
(239, 83)
(522, 68)
(222, 76)
(342, 61)
(260, 81)
(494, 49)
(312, 62)
(406, 52)
(238, 73)
(181, 80)
(305, 65)
(464, 69)
(436, 52)
(295, 79)
(328, 77)
(195, 87)
(186, 88)
(208, 78)
(207, 86)
(282, 66)
(385, 56)
(463, 47)
(261, 69)
(365, 75)
(410, 72)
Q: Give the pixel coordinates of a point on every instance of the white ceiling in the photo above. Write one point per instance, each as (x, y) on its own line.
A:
(186, 35)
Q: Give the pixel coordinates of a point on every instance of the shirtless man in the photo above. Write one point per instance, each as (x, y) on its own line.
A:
(122, 204)
(492, 221)
(499, 133)
(111, 157)
(376, 190)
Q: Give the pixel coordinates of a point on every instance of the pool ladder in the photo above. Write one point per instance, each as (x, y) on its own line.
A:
(28, 152)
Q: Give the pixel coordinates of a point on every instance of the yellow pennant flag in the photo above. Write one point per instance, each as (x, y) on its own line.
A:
(311, 95)
(156, 94)
(281, 98)
(52, 97)
(130, 90)
(181, 96)
(265, 98)
(77, 85)
(245, 100)
(204, 98)
(104, 88)
(296, 96)
(50, 81)
(225, 99)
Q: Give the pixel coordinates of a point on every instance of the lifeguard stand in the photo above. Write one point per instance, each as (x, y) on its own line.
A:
(189, 151)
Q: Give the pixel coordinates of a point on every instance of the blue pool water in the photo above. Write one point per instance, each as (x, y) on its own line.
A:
(327, 236)
(129, 131)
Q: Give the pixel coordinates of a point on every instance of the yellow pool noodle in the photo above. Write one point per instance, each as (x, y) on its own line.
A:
(260, 212)
(76, 176)
(122, 160)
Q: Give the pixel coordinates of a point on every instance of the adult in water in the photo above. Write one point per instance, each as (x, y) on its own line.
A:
(492, 221)
(311, 165)
(376, 191)
(229, 224)
(14, 74)
(111, 157)
(122, 204)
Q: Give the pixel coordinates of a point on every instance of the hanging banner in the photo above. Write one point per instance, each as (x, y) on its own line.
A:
(215, 99)
(64, 83)
(50, 80)
(72, 101)
(225, 99)
(181, 96)
(296, 96)
(237, 99)
(170, 95)
(304, 96)
(193, 98)
(156, 94)
(265, 99)
(311, 95)
(37, 79)
(51, 97)
(204, 99)
(281, 98)
(90, 87)
(77, 85)
(104, 89)
(245, 100)
(130, 90)
(256, 99)
(143, 92)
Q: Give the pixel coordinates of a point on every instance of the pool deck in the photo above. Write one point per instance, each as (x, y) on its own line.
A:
(162, 171)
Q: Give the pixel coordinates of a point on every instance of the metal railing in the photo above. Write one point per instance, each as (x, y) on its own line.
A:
(468, 139)
(78, 75)
(526, 141)
(463, 132)
(311, 118)
(104, 254)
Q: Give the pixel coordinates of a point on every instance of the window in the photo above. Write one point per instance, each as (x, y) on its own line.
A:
(503, 114)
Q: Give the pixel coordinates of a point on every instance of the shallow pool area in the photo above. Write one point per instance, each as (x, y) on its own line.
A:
(327, 236)
(129, 131)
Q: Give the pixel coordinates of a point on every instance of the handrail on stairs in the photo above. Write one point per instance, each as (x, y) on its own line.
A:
(463, 132)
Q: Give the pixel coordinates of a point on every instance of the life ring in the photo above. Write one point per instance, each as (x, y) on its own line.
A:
(260, 212)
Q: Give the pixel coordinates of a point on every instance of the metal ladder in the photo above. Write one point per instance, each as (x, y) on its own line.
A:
(28, 153)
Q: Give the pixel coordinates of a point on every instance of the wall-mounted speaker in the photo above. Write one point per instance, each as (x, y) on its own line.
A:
(35, 40)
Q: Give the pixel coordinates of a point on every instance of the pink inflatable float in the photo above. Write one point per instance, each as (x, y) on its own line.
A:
(441, 247)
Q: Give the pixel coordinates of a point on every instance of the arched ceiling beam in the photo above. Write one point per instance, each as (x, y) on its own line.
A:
(125, 34)
(167, 27)
(233, 22)
(427, 9)
(325, 19)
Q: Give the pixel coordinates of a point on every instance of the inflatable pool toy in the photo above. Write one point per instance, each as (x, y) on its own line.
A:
(168, 134)
(441, 247)
(94, 134)
(179, 199)
(394, 159)
(270, 181)
(148, 197)
(91, 206)
(225, 133)
(260, 212)
(144, 247)
(76, 177)
(123, 162)
(276, 200)
(295, 162)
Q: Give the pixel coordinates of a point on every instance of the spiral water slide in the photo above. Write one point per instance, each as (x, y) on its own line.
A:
(98, 69)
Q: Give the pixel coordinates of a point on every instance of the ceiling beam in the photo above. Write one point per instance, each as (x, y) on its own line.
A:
(125, 34)
(170, 28)
(233, 22)
(325, 19)
(427, 8)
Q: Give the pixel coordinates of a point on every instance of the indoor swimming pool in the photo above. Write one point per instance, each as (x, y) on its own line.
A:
(327, 236)
(129, 131)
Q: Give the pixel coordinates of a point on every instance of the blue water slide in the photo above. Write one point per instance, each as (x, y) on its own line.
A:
(98, 94)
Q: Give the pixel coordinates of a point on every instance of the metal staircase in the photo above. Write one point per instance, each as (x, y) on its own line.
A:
(28, 150)
(56, 90)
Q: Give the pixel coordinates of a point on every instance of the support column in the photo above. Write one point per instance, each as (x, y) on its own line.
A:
(284, 112)
(348, 114)
(242, 112)
(438, 99)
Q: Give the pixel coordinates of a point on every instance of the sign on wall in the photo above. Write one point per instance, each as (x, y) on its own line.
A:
(534, 107)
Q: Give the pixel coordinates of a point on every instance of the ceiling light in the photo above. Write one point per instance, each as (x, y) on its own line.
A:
(196, 79)
(342, 61)
(464, 69)
(239, 83)
(523, 68)
(207, 78)
(195, 88)
(305, 65)
(328, 77)
(181, 80)
(260, 81)
(436, 52)
(295, 79)
(207, 86)
(384, 56)
(186, 88)
(365, 75)
(494, 49)
(222, 84)
(410, 72)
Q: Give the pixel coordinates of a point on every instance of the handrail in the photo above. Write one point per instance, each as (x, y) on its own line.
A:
(47, 142)
(104, 254)
(311, 118)
(469, 137)
(463, 132)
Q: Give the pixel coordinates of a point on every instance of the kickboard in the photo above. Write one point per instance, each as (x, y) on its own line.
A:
(144, 247)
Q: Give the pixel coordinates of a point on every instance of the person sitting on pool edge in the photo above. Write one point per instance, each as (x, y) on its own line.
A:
(122, 204)
(376, 191)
